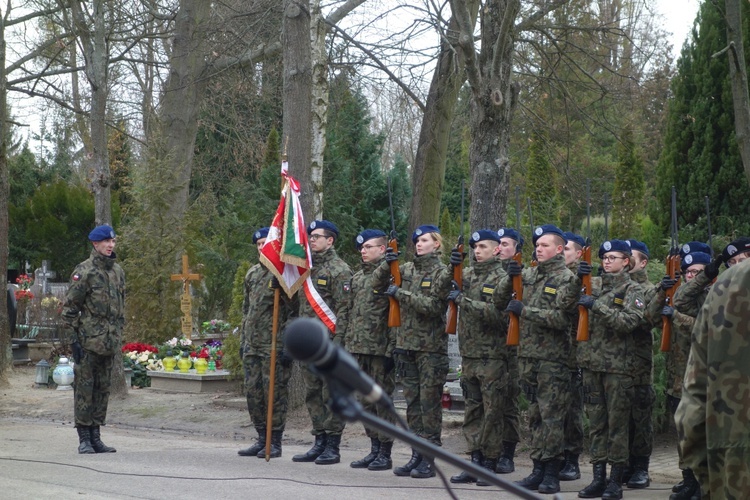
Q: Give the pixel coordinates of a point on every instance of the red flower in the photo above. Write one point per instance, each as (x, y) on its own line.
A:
(139, 347)
(204, 353)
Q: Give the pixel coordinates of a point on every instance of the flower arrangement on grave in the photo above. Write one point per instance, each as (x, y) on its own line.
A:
(23, 294)
(176, 345)
(215, 352)
(215, 327)
(141, 358)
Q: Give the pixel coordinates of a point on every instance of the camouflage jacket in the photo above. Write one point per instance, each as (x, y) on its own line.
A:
(367, 329)
(643, 338)
(572, 357)
(94, 308)
(550, 295)
(614, 317)
(482, 328)
(712, 419)
(257, 313)
(331, 277)
(422, 301)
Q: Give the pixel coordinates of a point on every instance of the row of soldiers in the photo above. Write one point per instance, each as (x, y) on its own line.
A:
(610, 375)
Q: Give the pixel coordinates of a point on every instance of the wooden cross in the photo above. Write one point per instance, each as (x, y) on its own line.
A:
(185, 304)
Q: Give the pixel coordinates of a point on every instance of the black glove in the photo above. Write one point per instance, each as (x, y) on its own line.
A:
(515, 307)
(390, 255)
(388, 365)
(275, 283)
(712, 268)
(667, 283)
(586, 301)
(668, 311)
(285, 359)
(392, 290)
(77, 351)
(600, 271)
(584, 269)
(514, 268)
(457, 258)
(454, 296)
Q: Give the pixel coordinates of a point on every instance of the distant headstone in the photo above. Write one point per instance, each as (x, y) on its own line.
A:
(454, 358)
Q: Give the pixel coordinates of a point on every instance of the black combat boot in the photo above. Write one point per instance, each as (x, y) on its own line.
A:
(409, 466)
(84, 440)
(489, 464)
(363, 463)
(315, 451)
(533, 480)
(639, 478)
(260, 444)
(423, 470)
(613, 491)
(551, 481)
(678, 487)
(96, 441)
(598, 485)
(505, 465)
(690, 487)
(383, 460)
(465, 477)
(331, 454)
(627, 472)
(275, 446)
(570, 470)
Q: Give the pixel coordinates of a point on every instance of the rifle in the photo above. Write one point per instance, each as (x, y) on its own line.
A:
(582, 333)
(531, 223)
(513, 320)
(673, 271)
(451, 319)
(708, 222)
(394, 310)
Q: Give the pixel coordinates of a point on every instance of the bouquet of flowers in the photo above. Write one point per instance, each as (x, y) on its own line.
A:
(215, 327)
(141, 358)
(177, 345)
(23, 293)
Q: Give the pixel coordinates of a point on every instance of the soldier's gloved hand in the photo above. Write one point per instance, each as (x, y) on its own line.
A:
(454, 296)
(77, 351)
(584, 269)
(667, 311)
(388, 365)
(457, 257)
(514, 268)
(285, 359)
(274, 283)
(667, 283)
(712, 268)
(392, 290)
(586, 301)
(390, 255)
(515, 307)
(600, 271)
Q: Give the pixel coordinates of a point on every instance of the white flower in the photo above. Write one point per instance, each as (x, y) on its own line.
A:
(184, 341)
(133, 355)
(143, 357)
(172, 342)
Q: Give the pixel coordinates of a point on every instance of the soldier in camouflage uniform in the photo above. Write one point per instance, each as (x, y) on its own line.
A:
(371, 342)
(331, 277)
(550, 294)
(482, 345)
(94, 316)
(616, 311)
(712, 417)
(255, 349)
(736, 252)
(421, 351)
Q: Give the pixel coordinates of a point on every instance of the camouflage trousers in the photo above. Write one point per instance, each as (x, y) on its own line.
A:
(641, 435)
(422, 377)
(607, 399)
(574, 416)
(511, 411)
(546, 385)
(727, 475)
(316, 400)
(485, 386)
(672, 403)
(257, 382)
(374, 366)
(91, 386)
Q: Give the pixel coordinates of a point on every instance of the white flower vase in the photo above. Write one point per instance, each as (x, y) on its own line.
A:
(63, 375)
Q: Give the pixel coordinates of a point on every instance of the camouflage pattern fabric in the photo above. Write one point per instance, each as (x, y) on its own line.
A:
(511, 410)
(316, 400)
(712, 418)
(607, 398)
(574, 433)
(257, 381)
(484, 383)
(94, 315)
(375, 367)
(422, 376)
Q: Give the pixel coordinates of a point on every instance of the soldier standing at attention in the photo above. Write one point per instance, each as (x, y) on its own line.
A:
(616, 311)
(371, 342)
(94, 315)
(550, 293)
(421, 352)
(331, 277)
(712, 417)
(484, 357)
(255, 351)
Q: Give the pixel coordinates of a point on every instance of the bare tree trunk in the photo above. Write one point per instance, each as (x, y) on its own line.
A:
(6, 359)
(319, 111)
(738, 75)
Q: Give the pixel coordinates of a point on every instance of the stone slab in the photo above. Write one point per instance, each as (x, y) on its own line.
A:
(190, 382)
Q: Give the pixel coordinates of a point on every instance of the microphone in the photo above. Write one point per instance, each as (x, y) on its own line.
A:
(306, 339)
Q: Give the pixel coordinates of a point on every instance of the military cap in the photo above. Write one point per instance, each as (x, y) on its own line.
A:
(739, 245)
(614, 246)
(260, 234)
(323, 224)
(367, 235)
(547, 229)
(575, 238)
(424, 229)
(694, 258)
(694, 246)
(481, 235)
(509, 232)
(639, 246)
(100, 233)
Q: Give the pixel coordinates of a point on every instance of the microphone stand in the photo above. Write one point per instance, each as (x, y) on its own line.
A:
(346, 406)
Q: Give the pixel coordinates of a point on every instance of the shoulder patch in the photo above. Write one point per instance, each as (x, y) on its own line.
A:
(347, 285)
(638, 303)
(76, 277)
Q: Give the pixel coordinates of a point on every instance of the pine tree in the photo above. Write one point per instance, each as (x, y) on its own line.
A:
(627, 195)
